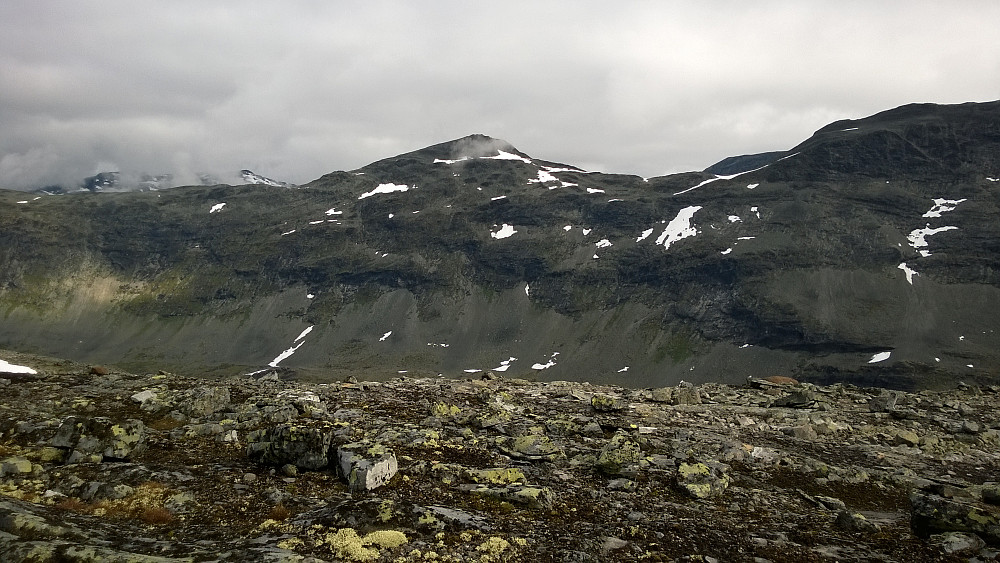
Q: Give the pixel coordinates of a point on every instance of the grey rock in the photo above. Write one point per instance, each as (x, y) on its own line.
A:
(366, 466)
(618, 453)
(796, 400)
(306, 447)
(203, 401)
(957, 543)
(96, 439)
(933, 514)
(855, 522)
(702, 480)
(885, 402)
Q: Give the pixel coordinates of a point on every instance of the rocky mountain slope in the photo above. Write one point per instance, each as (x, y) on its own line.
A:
(104, 465)
(867, 254)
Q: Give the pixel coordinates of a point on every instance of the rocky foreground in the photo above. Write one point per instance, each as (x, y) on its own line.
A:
(101, 465)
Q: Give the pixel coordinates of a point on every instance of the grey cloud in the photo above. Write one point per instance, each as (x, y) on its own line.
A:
(294, 90)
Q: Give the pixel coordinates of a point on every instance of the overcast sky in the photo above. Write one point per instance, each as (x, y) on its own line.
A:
(296, 89)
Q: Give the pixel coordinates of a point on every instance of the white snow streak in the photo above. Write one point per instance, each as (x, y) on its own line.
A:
(303, 335)
(499, 197)
(385, 189)
(284, 355)
(333, 211)
(6, 367)
(594, 191)
(909, 272)
(727, 251)
(216, 207)
(734, 218)
(752, 186)
(645, 234)
(505, 365)
(504, 232)
(718, 177)
(679, 228)
(880, 357)
(623, 370)
(384, 336)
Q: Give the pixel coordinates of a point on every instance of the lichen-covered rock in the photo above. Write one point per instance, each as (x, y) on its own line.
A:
(686, 394)
(701, 480)
(97, 439)
(533, 447)
(15, 466)
(855, 522)
(305, 447)
(203, 401)
(607, 403)
(618, 453)
(366, 466)
(934, 514)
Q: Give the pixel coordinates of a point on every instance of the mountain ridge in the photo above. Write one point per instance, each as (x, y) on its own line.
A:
(470, 255)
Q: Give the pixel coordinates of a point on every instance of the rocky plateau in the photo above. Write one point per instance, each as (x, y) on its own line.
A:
(99, 464)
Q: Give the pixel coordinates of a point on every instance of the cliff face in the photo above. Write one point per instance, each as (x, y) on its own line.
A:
(868, 254)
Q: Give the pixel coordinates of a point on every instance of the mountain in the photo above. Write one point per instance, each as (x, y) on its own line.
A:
(869, 254)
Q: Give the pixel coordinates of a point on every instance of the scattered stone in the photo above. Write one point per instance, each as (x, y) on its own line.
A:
(533, 447)
(934, 514)
(99, 370)
(607, 403)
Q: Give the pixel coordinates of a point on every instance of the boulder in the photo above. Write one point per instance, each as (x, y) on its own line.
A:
(620, 452)
(702, 480)
(306, 447)
(935, 514)
(366, 466)
(99, 439)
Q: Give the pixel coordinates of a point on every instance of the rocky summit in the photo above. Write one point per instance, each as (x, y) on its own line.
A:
(98, 464)
(868, 255)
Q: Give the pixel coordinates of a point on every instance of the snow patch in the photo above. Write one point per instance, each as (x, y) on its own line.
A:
(909, 272)
(603, 243)
(727, 251)
(386, 189)
(645, 234)
(505, 365)
(755, 211)
(752, 186)
(504, 232)
(499, 197)
(734, 219)
(880, 357)
(384, 336)
(6, 367)
(508, 156)
(623, 370)
(546, 365)
(594, 191)
(527, 290)
(288, 232)
(333, 211)
(918, 237)
(943, 206)
(215, 208)
(568, 228)
(679, 228)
